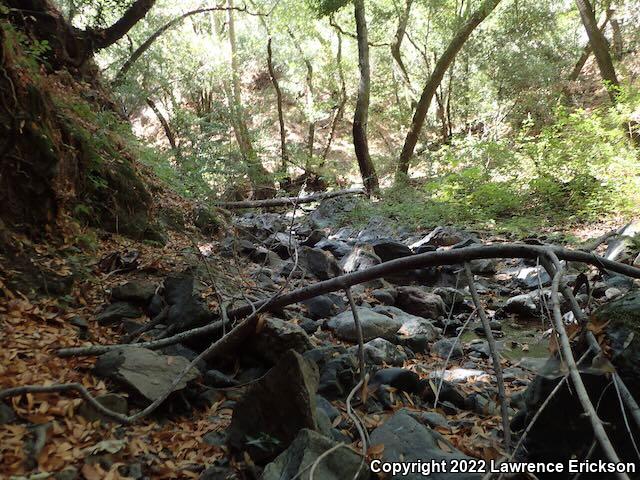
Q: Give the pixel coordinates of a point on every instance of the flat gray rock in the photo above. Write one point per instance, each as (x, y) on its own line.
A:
(405, 438)
(374, 325)
(146, 372)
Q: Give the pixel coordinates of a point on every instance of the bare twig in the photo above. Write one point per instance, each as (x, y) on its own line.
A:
(495, 356)
(133, 336)
(356, 321)
(151, 345)
(358, 423)
(446, 362)
(581, 391)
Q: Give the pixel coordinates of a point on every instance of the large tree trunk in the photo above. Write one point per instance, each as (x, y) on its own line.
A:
(586, 52)
(360, 117)
(72, 48)
(260, 178)
(600, 47)
(433, 82)
(105, 37)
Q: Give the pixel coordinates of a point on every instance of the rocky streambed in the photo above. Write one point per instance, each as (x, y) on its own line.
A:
(281, 397)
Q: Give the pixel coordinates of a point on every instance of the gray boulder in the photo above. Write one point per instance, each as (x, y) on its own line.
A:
(390, 250)
(416, 301)
(405, 438)
(116, 312)
(379, 351)
(374, 325)
(447, 347)
(533, 277)
(361, 258)
(442, 237)
(337, 248)
(324, 306)
(274, 409)
(134, 292)
(276, 337)
(418, 327)
(338, 370)
(146, 372)
(112, 401)
(318, 263)
(305, 450)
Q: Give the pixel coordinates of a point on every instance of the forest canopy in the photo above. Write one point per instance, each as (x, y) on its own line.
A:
(484, 110)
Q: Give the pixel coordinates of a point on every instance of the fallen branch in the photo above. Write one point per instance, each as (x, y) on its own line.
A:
(581, 391)
(63, 388)
(151, 345)
(423, 260)
(136, 334)
(535, 418)
(582, 319)
(286, 201)
(495, 356)
(438, 258)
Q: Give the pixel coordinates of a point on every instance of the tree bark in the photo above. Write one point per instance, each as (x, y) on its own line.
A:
(309, 99)
(165, 126)
(600, 47)
(360, 117)
(341, 105)
(106, 37)
(71, 47)
(397, 43)
(433, 82)
(276, 86)
(618, 44)
(586, 53)
(260, 178)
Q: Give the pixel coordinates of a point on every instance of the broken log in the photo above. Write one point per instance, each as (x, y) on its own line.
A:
(286, 201)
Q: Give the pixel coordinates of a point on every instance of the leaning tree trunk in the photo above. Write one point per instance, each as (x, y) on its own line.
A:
(586, 52)
(433, 82)
(600, 47)
(360, 117)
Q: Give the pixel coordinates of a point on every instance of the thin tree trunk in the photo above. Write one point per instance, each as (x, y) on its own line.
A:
(360, 117)
(618, 44)
(341, 105)
(433, 82)
(397, 44)
(276, 86)
(309, 101)
(165, 126)
(260, 178)
(600, 47)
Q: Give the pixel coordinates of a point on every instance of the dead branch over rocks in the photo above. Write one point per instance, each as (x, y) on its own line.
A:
(288, 201)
